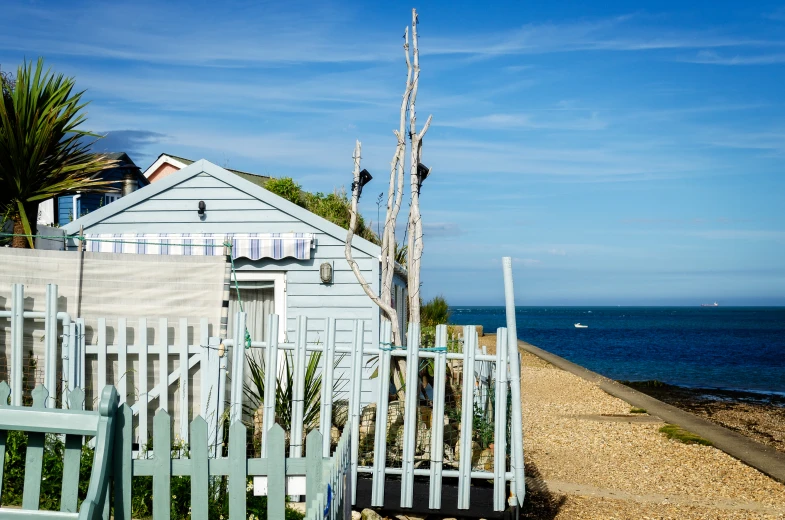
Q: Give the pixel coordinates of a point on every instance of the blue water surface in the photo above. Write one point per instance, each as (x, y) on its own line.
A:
(740, 348)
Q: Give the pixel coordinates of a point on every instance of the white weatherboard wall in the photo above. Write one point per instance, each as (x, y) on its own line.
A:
(234, 205)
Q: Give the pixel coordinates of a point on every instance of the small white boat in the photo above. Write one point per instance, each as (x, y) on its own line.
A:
(579, 326)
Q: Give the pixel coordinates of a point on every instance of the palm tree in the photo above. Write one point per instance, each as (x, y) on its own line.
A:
(43, 152)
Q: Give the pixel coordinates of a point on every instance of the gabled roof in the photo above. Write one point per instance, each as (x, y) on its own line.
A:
(124, 162)
(232, 179)
(182, 162)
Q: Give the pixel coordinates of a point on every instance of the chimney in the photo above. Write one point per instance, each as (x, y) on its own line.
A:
(129, 183)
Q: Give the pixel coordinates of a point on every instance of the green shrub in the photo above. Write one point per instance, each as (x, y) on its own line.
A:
(335, 207)
(285, 187)
(435, 312)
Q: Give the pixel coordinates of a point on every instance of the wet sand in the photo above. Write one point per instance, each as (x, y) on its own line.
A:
(758, 416)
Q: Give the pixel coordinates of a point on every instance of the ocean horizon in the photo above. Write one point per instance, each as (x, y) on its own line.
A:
(730, 348)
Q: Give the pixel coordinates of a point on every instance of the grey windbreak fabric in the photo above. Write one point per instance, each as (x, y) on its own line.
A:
(113, 286)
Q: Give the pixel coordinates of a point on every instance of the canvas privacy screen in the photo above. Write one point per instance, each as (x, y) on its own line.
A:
(113, 286)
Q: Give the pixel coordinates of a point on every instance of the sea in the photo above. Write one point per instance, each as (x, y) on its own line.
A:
(731, 348)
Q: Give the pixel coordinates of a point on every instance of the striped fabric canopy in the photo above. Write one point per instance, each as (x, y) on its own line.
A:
(253, 246)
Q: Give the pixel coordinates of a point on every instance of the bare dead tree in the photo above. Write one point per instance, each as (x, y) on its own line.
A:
(394, 199)
(385, 306)
(416, 175)
(356, 188)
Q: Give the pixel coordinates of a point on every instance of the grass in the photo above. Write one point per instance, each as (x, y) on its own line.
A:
(638, 410)
(679, 434)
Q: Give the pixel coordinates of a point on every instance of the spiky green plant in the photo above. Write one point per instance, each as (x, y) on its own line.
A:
(43, 151)
(254, 390)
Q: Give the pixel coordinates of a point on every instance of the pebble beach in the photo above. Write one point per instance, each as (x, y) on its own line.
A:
(589, 457)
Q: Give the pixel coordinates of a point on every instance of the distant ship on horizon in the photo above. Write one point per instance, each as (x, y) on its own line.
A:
(715, 304)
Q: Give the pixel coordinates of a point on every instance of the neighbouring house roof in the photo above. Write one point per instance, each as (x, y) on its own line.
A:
(238, 182)
(181, 162)
(124, 165)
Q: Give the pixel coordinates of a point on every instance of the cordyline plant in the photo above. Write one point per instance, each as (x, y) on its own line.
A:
(43, 152)
(253, 388)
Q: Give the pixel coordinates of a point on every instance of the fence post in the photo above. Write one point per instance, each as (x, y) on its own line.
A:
(81, 352)
(121, 340)
(142, 341)
(314, 470)
(354, 399)
(515, 383)
(221, 401)
(437, 420)
(238, 368)
(500, 423)
(163, 364)
(380, 440)
(410, 414)
(184, 379)
(101, 352)
(270, 380)
(467, 417)
(50, 334)
(209, 369)
(200, 471)
(69, 356)
(17, 336)
(238, 474)
(122, 463)
(328, 362)
(298, 392)
(276, 473)
(162, 472)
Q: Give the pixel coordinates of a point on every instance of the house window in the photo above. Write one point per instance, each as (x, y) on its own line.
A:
(262, 294)
(110, 197)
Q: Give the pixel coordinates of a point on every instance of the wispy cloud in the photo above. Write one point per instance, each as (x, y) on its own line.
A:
(528, 121)
(740, 234)
(610, 34)
(769, 141)
(608, 162)
(713, 58)
(527, 262)
(164, 34)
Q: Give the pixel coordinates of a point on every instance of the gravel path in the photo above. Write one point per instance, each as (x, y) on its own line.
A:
(588, 457)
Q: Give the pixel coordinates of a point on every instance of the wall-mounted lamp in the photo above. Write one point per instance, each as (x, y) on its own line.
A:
(365, 178)
(326, 272)
(422, 173)
(202, 207)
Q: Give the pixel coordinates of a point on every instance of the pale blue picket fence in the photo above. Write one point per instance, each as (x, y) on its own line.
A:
(482, 373)
(326, 478)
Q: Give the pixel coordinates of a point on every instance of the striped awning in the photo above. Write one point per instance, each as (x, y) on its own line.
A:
(253, 246)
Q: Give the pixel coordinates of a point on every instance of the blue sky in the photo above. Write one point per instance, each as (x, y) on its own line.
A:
(620, 153)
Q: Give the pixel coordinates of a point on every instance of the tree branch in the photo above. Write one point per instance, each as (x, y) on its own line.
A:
(350, 234)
